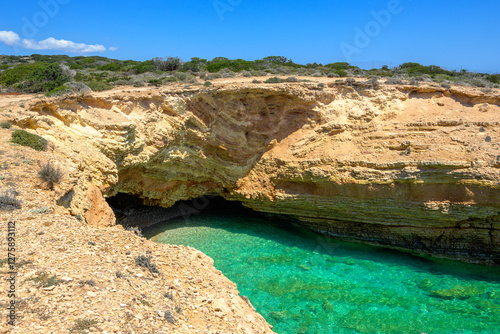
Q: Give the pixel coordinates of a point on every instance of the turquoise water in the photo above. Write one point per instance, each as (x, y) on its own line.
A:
(305, 283)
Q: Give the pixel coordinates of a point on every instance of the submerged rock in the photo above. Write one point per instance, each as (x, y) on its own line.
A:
(458, 292)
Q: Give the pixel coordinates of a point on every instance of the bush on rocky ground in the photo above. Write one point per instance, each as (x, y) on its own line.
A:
(24, 138)
(273, 80)
(145, 261)
(50, 174)
(8, 201)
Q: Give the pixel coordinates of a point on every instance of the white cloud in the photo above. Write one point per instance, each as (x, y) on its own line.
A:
(9, 37)
(61, 44)
(113, 48)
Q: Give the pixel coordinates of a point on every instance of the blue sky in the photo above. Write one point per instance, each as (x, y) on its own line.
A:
(453, 34)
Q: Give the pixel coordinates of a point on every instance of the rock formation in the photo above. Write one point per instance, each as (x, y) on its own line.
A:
(409, 167)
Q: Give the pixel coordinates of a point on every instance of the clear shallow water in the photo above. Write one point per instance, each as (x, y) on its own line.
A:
(305, 283)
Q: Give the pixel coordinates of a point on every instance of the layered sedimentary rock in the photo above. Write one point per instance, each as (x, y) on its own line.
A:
(411, 167)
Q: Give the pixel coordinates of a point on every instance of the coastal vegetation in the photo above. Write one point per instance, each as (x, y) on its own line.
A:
(25, 138)
(60, 74)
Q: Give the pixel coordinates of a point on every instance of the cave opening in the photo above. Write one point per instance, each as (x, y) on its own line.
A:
(131, 210)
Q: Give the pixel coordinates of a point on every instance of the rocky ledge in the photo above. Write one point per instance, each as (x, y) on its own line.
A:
(410, 167)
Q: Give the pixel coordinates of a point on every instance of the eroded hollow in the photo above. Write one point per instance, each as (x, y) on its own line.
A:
(130, 210)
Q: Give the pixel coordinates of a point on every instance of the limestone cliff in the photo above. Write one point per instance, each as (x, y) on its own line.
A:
(411, 167)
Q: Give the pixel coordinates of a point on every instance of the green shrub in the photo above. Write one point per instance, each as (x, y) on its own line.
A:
(171, 79)
(16, 74)
(416, 68)
(76, 67)
(59, 91)
(144, 67)
(207, 84)
(273, 80)
(98, 86)
(5, 125)
(50, 174)
(110, 67)
(495, 78)
(219, 63)
(341, 73)
(393, 81)
(42, 79)
(87, 60)
(24, 138)
(340, 66)
(155, 82)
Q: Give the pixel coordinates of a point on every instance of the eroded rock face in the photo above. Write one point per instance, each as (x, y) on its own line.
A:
(411, 167)
(99, 214)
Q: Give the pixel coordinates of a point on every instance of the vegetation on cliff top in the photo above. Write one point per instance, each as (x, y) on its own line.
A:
(61, 74)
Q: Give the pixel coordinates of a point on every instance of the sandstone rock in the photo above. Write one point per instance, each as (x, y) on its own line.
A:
(384, 164)
(100, 214)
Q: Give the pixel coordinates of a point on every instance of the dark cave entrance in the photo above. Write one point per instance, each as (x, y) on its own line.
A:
(130, 210)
